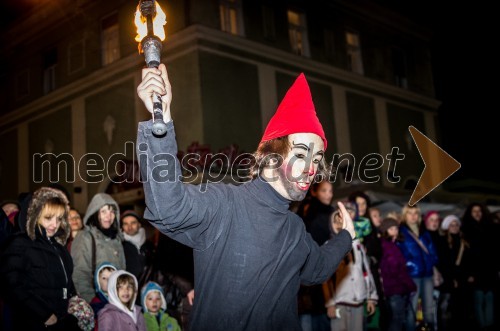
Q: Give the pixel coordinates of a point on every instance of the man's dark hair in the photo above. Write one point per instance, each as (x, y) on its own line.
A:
(280, 147)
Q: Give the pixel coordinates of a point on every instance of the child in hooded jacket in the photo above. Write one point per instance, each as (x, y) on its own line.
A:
(154, 306)
(101, 276)
(396, 280)
(121, 313)
(351, 286)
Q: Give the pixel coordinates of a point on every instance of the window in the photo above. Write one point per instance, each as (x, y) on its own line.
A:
(297, 30)
(268, 23)
(354, 58)
(110, 41)
(231, 17)
(22, 84)
(76, 56)
(399, 67)
(49, 70)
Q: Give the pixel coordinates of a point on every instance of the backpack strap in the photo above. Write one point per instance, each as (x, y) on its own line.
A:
(460, 253)
(94, 248)
(419, 242)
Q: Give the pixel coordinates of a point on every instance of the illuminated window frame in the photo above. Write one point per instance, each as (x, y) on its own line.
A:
(231, 17)
(297, 32)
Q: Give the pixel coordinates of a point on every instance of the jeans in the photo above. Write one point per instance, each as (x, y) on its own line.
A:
(425, 290)
(314, 322)
(483, 307)
(398, 306)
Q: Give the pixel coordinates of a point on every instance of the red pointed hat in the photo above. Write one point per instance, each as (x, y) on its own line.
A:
(295, 114)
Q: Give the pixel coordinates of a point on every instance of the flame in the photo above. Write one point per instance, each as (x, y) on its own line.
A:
(158, 22)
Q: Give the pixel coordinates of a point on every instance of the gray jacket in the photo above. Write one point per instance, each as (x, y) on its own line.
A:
(107, 249)
(250, 251)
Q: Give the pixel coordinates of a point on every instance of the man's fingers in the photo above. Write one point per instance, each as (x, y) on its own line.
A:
(152, 79)
(344, 214)
(164, 73)
(164, 76)
(155, 86)
(155, 71)
(150, 89)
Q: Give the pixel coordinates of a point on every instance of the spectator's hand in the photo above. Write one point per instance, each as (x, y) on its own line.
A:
(331, 312)
(370, 307)
(347, 221)
(190, 297)
(156, 80)
(52, 320)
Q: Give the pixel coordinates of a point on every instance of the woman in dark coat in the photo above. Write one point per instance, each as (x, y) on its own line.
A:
(36, 268)
(482, 235)
(311, 302)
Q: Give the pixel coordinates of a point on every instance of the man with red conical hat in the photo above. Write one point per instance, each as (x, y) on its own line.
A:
(250, 252)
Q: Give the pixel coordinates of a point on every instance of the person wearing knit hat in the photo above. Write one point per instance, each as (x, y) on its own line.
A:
(448, 220)
(154, 307)
(387, 223)
(459, 273)
(396, 281)
(246, 240)
(431, 220)
(137, 248)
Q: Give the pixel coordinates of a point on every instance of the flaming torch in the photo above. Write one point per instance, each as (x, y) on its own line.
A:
(150, 19)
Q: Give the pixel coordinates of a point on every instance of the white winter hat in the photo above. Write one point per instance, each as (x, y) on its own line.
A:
(447, 221)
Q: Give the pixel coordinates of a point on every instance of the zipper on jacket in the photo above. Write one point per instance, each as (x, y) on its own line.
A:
(65, 289)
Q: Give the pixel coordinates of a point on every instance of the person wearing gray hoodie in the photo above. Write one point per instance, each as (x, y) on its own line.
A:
(101, 241)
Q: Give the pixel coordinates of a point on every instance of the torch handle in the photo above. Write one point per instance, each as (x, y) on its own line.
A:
(159, 126)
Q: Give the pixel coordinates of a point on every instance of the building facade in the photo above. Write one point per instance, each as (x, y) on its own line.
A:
(70, 110)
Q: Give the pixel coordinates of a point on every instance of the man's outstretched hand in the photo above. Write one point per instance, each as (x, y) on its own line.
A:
(347, 223)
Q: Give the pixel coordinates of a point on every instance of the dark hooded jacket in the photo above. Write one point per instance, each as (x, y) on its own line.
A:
(6, 228)
(36, 270)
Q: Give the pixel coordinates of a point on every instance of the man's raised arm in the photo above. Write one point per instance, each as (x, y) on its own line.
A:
(176, 209)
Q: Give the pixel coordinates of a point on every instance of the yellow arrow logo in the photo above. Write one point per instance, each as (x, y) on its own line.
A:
(439, 165)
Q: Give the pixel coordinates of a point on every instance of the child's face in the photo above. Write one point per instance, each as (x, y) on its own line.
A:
(352, 213)
(454, 227)
(125, 292)
(337, 222)
(375, 216)
(393, 231)
(432, 222)
(153, 302)
(324, 193)
(103, 279)
(362, 205)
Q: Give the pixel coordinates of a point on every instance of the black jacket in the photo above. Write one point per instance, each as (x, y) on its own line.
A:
(137, 260)
(34, 282)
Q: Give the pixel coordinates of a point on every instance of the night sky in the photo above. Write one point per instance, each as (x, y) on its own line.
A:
(463, 61)
(465, 81)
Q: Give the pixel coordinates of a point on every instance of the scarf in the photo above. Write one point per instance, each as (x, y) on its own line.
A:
(138, 239)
